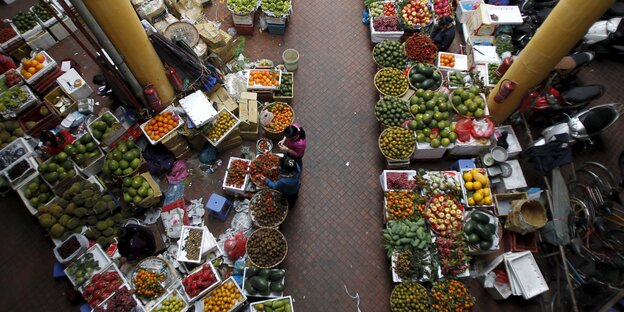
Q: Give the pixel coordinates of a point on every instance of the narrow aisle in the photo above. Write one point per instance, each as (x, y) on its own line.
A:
(333, 233)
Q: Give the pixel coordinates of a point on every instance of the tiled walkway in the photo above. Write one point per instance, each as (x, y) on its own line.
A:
(334, 232)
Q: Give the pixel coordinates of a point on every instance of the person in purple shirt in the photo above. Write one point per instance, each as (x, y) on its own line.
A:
(288, 183)
(294, 143)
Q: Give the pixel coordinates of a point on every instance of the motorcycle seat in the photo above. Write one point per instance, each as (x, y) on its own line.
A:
(617, 9)
(583, 94)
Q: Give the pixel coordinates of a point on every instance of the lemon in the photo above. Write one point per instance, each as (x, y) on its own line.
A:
(476, 185)
(468, 177)
(471, 201)
(477, 197)
(474, 171)
(486, 192)
(487, 200)
(469, 186)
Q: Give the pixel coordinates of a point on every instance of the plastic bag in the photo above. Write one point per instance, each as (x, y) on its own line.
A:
(266, 117)
(208, 154)
(178, 173)
(482, 128)
(235, 246)
(463, 128)
(235, 84)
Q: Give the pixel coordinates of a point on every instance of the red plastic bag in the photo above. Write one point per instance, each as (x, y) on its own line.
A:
(482, 128)
(235, 246)
(463, 128)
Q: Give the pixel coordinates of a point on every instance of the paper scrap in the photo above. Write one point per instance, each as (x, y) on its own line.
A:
(65, 66)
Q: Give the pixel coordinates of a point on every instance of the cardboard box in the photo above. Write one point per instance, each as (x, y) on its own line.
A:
(220, 96)
(211, 35)
(179, 149)
(231, 142)
(482, 24)
(226, 52)
(251, 135)
(185, 155)
(154, 199)
(249, 103)
(174, 139)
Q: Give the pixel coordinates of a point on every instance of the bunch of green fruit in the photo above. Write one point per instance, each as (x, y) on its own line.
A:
(277, 7)
(425, 76)
(410, 297)
(391, 81)
(13, 98)
(171, 304)
(431, 118)
(242, 6)
(123, 160)
(136, 189)
(458, 79)
(83, 151)
(397, 143)
(264, 282)
(273, 305)
(57, 168)
(24, 21)
(102, 127)
(82, 270)
(286, 85)
(468, 102)
(390, 53)
(37, 192)
(392, 111)
(83, 204)
(10, 130)
(480, 231)
(43, 14)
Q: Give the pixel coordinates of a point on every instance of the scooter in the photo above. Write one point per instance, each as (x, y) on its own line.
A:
(605, 37)
(584, 125)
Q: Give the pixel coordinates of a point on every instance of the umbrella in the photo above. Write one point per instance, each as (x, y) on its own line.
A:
(557, 231)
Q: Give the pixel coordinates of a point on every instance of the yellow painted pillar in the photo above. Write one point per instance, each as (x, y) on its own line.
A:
(122, 26)
(564, 27)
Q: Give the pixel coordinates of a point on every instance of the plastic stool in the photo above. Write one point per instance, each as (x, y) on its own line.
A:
(463, 164)
(219, 206)
(58, 270)
(85, 308)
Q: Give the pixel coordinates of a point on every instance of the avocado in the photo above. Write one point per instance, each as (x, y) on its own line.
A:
(474, 239)
(491, 228)
(418, 77)
(469, 227)
(251, 271)
(276, 275)
(485, 244)
(480, 217)
(482, 231)
(277, 287)
(259, 283)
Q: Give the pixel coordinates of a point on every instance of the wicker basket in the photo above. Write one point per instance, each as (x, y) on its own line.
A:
(418, 285)
(435, 70)
(381, 66)
(499, 232)
(283, 208)
(387, 69)
(386, 125)
(254, 263)
(392, 159)
(272, 134)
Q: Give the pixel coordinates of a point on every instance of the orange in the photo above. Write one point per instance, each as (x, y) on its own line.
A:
(23, 72)
(39, 66)
(40, 57)
(32, 70)
(27, 75)
(33, 63)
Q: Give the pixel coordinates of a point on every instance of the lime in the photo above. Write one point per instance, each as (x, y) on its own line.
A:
(452, 136)
(435, 143)
(445, 142)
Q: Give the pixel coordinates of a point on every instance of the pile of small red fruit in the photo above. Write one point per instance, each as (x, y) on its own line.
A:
(416, 13)
(101, 287)
(198, 281)
(442, 8)
(11, 78)
(389, 9)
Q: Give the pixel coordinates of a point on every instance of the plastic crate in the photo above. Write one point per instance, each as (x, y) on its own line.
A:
(24, 175)
(13, 40)
(48, 65)
(26, 201)
(233, 189)
(18, 143)
(50, 98)
(58, 31)
(276, 29)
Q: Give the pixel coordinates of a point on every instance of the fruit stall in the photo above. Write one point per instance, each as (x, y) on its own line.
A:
(432, 106)
(101, 184)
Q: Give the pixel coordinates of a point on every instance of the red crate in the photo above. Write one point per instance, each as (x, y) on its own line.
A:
(42, 123)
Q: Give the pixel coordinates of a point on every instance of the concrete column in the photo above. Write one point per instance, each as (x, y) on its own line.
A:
(122, 26)
(564, 27)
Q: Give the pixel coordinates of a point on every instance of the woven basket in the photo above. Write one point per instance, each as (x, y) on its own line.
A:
(499, 230)
(379, 146)
(387, 69)
(283, 208)
(435, 69)
(254, 263)
(381, 66)
(385, 125)
(273, 133)
(410, 284)
(526, 216)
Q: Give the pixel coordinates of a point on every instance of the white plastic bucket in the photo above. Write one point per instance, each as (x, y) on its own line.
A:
(291, 59)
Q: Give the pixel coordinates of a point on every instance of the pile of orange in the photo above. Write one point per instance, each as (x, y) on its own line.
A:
(282, 117)
(147, 283)
(161, 125)
(447, 60)
(32, 66)
(266, 78)
(223, 299)
(399, 204)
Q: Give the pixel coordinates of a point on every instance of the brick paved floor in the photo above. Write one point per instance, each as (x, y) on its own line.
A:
(334, 232)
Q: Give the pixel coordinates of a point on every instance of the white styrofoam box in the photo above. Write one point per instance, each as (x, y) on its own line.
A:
(379, 36)
(483, 23)
(234, 189)
(24, 175)
(526, 274)
(461, 62)
(485, 55)
(425, 151)
(180, 123)
(500, 290)
(515, 181)
(66, 81)
(466, 9)
(514, 147)
(247, 19)
(272, 294)
(48, 65)
(13, 40)
(261, 87)
(42, 41)
(198, 108)
(182, 254)
(59, 32)
(253, 309)
(22, 195)
(14, 146)
(227, 133)
(383, 178)
(424, 278)
(31, 32)
(50, 21)
(472, 147)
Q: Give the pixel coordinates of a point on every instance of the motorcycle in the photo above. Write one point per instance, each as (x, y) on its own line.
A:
(584, 125)
(605, 37)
